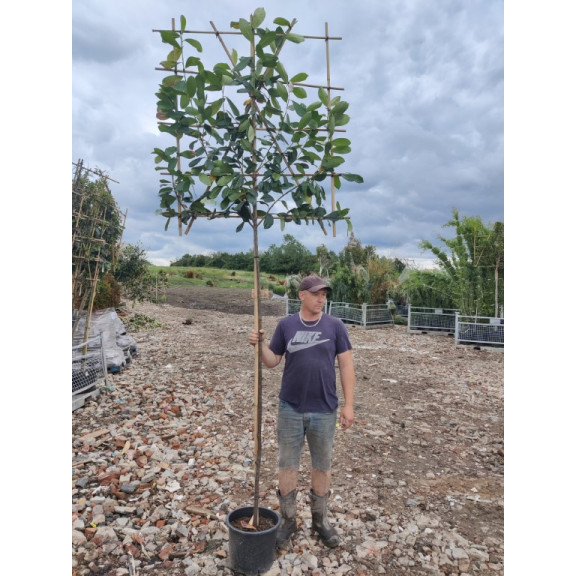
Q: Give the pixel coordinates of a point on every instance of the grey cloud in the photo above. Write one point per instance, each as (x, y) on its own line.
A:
(425, 86)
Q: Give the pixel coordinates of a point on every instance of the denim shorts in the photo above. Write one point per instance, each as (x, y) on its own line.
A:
(317, 428)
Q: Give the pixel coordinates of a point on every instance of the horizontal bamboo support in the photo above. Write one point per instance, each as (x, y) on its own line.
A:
(238, 33)
(185, 71)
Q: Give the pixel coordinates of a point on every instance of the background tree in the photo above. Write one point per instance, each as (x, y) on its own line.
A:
(132, 271)
(383, 280)
(473, 261)
(426, 288)
(325, 260)
(350, 283)
(291, 257)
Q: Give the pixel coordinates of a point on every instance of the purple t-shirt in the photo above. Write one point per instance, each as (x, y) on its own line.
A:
(309, 378)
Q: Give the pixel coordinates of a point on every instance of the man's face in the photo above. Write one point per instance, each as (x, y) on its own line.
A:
(314, 300)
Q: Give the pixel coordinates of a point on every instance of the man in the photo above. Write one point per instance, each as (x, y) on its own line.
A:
(311, 342)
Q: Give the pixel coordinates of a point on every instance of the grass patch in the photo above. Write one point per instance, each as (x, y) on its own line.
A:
(218, 277)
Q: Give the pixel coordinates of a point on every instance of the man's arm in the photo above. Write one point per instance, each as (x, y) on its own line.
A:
(348, 381)
(269, 359)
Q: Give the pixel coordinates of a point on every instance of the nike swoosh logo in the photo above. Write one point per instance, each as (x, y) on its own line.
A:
(296, 347)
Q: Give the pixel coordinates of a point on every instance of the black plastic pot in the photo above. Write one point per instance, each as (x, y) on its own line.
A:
(252, 552)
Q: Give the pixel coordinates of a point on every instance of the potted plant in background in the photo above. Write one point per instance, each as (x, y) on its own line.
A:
(249, 144)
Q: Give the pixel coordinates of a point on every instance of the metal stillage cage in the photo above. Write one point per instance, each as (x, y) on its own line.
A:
(479, 330)
(421, 319)
(365, 315)
(88, 365)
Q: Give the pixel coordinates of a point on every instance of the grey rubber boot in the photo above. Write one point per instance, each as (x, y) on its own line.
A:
(319, 507)
(288, 523)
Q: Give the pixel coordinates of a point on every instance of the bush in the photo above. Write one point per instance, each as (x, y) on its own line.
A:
(138, 285)
(279, 290)
(108, 293)
(401, 320)
(141, 321)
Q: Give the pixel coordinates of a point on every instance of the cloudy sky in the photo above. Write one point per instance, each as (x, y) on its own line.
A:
(425, 84)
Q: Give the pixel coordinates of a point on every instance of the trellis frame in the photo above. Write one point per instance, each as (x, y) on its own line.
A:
(89, 227)
(186, 216)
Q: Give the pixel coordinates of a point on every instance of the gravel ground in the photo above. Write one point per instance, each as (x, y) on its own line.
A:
(166, 450)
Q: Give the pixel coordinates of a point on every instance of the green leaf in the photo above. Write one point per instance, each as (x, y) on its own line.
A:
(340, 108)
(269, 60)
(337, 182)
(282, 91)
(299, 92)
(233, 107)
(244, 125)
(205, 179)
(193, 42)
(341, 119)
(300, 109)
(227, 80)
(200, 89)
(268, 221)
(214, 193)
(191, 86)
(215, 106)
(297, 38)
(353, 178)
(213, 82)
(174, 56)
(222, 68)
(170, 37)
(192, 61)
(246, 29)
(250, 133)
(305, 120)
(282, 71)
(171, 80)
(281, 21)
(341, 149)
(224, 180)
(239, 227)
(331, 124)
(311, 157)
(182, 23)
(243, 63)
(332, 161)
(180, 87)
(258, 17)
(323, 95)
(234, 57)
(299, 77)
(340, 142)
(166, 64)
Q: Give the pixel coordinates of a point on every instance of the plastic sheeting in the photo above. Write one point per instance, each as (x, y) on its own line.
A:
(118, 346)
